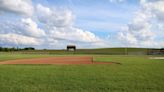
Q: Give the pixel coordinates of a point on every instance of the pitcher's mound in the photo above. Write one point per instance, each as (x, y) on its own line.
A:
(56, 60)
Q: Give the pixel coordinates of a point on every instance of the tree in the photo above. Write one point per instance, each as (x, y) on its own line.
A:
(29, 48)
(6, 49)
(1, 48)
(162, 48)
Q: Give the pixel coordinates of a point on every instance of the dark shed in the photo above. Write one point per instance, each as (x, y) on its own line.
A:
(71, 48)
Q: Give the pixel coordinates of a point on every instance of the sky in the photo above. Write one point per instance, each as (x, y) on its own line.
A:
(54, 24)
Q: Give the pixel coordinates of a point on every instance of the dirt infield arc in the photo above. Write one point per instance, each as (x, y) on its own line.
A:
(57, 60)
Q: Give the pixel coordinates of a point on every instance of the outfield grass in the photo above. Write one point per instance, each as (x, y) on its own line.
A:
(135, 74)
(12, 56)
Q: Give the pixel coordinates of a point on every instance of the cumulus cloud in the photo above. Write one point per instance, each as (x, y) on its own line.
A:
(23, 32)
(31, 28)
(59, 24)
(26, 26)
(17, 40)
(139, 30)
(54, 17)
(73, 34)
(51, 26)
(23, 7)
(155, 7)
(143, 29)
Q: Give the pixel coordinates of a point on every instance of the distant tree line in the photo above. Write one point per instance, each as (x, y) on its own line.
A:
(7, 49)
(162, 49)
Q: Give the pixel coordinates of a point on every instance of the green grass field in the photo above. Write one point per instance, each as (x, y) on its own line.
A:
(12, 56)
(135, 74)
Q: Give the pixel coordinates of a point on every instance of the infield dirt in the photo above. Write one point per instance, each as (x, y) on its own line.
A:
(68, 60)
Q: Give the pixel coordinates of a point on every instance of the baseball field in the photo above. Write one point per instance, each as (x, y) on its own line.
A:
(87, 73)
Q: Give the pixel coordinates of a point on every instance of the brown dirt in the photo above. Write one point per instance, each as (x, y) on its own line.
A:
(68, 60)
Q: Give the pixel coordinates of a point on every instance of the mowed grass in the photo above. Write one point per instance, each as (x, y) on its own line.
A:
(13, 56)
(135, 74)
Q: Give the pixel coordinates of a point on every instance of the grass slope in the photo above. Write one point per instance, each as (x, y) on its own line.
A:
(136, 74)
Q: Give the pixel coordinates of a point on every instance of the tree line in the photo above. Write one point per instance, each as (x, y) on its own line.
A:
(7, 49)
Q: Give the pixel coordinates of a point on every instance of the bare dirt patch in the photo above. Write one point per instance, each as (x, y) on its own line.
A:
(66, 60)
(156, 58)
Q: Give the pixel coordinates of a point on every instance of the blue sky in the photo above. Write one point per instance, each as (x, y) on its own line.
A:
(53, 24)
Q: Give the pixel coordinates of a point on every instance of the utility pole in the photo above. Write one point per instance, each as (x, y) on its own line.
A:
(126, 50)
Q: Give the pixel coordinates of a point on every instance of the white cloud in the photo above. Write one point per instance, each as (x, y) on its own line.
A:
(24, 7)
(31, 28)
(59, 26)
(157, 9)
(73, 34)
(142, 31)
(17, 40)
(25, 26)
(54, 28)
(54, 17)
(23, 32)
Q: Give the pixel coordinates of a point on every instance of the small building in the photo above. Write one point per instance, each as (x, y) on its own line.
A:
(156, 51)
(71, 48)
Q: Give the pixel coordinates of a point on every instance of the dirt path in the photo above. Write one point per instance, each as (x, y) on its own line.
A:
(68, 60)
